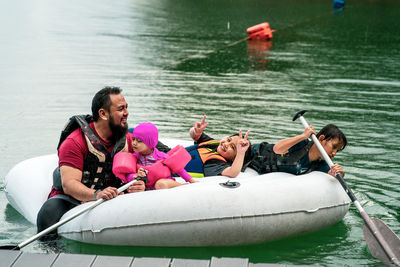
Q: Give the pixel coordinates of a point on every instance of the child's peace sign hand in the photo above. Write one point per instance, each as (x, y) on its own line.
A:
(198, 128)
(243, 143)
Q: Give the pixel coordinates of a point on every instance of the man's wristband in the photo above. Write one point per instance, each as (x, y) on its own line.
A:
(95, 194)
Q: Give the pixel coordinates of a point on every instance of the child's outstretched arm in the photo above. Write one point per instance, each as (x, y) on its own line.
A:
(283, 146)
(198, 128)
(242, 146)
(186, 176)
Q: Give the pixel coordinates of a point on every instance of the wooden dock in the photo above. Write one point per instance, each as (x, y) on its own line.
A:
(12, 258)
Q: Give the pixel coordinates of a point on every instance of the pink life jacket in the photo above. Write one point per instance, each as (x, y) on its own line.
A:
(125, 163)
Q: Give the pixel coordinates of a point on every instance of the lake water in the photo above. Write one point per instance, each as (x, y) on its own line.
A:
(179, 59)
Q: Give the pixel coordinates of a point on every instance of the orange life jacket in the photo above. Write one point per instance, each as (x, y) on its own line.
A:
(200, 155)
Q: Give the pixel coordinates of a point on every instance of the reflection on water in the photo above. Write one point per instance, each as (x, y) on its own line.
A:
(177, 60)
(257, 51)
(324, 242)
(377, 83)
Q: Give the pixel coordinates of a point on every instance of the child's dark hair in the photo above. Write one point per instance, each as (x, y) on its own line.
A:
(331, 131)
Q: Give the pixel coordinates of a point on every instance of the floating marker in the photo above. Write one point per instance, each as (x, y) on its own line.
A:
(260, 32)
(338, 3)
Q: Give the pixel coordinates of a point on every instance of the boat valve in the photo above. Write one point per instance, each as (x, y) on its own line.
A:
(230, 184)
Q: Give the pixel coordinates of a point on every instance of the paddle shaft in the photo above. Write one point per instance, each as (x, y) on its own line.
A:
(64, 221)
(386, 248)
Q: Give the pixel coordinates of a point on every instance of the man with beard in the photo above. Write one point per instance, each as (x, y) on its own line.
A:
(86, 149)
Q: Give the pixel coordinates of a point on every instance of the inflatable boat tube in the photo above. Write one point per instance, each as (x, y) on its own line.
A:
(217, 211)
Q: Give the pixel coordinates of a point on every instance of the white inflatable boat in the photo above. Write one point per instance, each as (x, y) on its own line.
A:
(248, 209)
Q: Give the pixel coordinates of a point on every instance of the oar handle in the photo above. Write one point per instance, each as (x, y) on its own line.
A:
(55, 226)
(64, 221)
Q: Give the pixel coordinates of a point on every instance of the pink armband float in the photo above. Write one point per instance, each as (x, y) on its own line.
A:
(124, 163)
(129, 177)
(178, 158)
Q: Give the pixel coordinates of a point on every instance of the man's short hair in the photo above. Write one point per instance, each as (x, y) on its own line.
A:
(102, 100)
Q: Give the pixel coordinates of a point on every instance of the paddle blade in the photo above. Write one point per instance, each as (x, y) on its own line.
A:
(388, 235)
(10, 247)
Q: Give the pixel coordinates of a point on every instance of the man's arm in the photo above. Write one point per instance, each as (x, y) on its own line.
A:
(72, 185)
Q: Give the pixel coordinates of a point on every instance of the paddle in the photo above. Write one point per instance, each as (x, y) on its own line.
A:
(383, 243)
(64, 221)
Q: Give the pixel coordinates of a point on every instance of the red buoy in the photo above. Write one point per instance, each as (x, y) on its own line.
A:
(260, 32)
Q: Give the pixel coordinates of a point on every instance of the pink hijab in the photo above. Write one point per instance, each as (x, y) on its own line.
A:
(148, 134)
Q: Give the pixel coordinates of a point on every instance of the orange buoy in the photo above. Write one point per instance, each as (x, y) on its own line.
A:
(260, 32)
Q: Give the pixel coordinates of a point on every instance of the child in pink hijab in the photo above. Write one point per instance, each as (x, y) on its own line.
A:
(147, 156)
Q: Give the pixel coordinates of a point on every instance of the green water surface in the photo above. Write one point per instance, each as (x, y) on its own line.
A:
(179, 59)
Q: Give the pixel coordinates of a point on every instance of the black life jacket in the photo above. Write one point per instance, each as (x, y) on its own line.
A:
(265, 160)
(97, 169)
